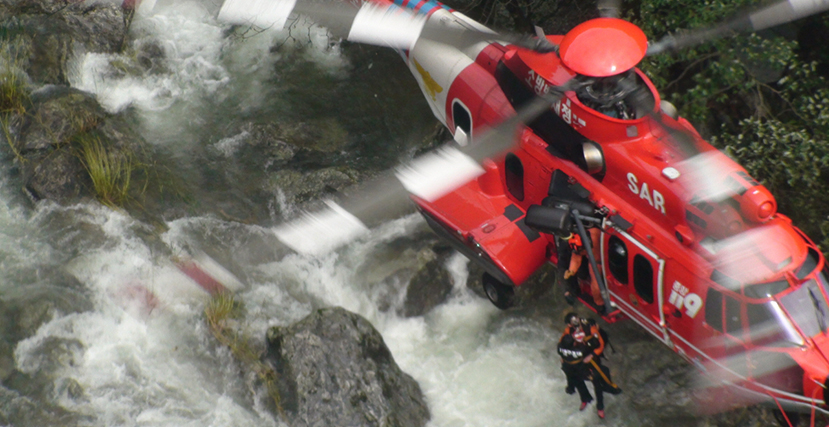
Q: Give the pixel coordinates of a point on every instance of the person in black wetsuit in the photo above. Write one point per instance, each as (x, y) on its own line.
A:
(575, 370)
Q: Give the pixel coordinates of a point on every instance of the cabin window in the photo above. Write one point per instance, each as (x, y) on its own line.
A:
(643, 278)
(733, 317)
(461, 117)
(768, 326)
(617, 259)
(514, 175)
(713, 309)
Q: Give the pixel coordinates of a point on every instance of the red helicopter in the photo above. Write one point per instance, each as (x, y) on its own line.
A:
(560, 136)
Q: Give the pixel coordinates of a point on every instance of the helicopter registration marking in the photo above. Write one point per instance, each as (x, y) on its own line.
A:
(654, 197)
(681, 297)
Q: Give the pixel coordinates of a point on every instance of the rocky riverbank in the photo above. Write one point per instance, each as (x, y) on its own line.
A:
(68, 147)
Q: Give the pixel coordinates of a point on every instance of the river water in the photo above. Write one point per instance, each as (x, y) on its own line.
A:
(89, 350)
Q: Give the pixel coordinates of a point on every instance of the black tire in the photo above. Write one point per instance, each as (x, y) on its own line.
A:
(501, 295)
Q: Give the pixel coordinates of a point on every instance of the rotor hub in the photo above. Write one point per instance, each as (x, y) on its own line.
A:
(603, 47)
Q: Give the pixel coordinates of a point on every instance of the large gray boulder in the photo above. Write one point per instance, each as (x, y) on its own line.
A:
(334, 369)
(54, 32)
(431, 285)
(47, 139)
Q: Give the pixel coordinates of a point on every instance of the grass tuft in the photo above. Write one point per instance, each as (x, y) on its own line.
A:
(110, 172)
(222, 313)
(14, 94)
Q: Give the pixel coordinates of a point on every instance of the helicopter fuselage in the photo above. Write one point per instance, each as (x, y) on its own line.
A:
(718, 276)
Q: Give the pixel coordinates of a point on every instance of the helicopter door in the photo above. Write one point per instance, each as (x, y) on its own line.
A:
(634, 277)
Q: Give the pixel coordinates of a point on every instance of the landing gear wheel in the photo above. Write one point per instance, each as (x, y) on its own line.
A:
(501, 295)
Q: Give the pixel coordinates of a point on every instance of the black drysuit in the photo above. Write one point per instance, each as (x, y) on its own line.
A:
(572, 363)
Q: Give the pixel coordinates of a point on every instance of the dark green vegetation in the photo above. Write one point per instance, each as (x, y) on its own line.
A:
(761, 98)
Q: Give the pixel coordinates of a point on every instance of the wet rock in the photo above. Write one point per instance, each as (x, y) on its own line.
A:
(69, 388)
(334, 369)
(268, 140)
(430, 286)
(60, 177)
(49, 140)
(325, 135)
(55, 32)
(390, 266)
(301, 187)
(29, 409)
(40, 302)
(58, 113)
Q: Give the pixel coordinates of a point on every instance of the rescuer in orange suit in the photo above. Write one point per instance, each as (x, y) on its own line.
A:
(570, 283)
(578, 253)
(599, 374)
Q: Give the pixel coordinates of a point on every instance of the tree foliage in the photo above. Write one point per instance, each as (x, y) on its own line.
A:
(761, 98)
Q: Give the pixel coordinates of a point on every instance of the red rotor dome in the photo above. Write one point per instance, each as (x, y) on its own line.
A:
(603, 47)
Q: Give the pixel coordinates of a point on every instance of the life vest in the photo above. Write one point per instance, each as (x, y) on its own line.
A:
(594, 333)
(575, 243)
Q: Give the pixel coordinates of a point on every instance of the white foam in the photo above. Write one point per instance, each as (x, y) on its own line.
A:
(228, 146)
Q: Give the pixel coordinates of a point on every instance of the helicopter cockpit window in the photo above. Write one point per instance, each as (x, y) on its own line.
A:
(809, 265)
(765, 290)
(808, 308)
(609, 95)
(823, 279)
(768, 326)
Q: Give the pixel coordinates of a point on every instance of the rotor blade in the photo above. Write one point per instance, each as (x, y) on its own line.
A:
(610, 8)
(767, 17)
(261, 13)
(429, 177)
(372, 23)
